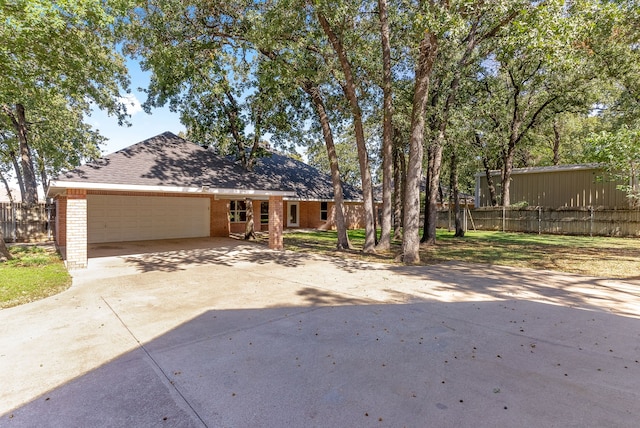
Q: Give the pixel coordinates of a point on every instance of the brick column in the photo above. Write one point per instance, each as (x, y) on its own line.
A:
(76, 229)
(61, 223)
(275, 222)
(257, 226)
(219, 221)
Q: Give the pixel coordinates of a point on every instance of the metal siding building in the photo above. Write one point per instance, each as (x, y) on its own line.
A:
(571, 186)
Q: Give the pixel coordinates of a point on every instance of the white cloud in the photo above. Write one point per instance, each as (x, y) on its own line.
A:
(132, 103)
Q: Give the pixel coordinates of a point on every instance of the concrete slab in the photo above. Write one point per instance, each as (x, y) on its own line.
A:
(224, 333)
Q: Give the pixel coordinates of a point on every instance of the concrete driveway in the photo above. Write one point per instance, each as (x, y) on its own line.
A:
(221, 333)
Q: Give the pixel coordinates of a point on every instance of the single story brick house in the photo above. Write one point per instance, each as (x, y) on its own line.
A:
(167, 187)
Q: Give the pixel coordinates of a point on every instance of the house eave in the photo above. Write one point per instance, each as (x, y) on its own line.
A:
(543, 169)
(59, 187)
(298, 199)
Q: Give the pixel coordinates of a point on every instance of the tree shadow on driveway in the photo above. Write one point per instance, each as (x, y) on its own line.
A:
(466, 364)
(452, 280)
(465, 281)
(180, 254)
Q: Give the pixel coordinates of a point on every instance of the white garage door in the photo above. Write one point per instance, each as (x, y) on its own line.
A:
(138, 218)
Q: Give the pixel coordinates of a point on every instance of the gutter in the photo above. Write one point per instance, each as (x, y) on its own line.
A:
(60, 187)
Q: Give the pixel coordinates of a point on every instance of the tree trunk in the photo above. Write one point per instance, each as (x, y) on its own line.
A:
(16, 167)
(506, 173)
(399, 176)
(19, 121)
(411, 240)
(508, 155)
(431, 215)
(257, 134)
(7, 188)
(453, 184)
(517, 130)
(375, 217)
(432, 197)
(634, 200)
(387, 130)
(4, 251)
(350, 93)
(249, 227)
(556, 143)
(427, 183)
(487, 172)
(233, 115)
(490, 185)
(26, 160)
(314, 92)
(44, 179)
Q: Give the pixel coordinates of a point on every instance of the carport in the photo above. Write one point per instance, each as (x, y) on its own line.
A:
(162, 188)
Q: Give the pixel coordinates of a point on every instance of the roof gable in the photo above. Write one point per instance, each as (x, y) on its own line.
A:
(167, 160)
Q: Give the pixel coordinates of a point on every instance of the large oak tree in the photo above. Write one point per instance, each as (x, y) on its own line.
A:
(58, 61)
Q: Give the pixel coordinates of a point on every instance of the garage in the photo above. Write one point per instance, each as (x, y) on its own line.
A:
(115, 218)
(166, 187)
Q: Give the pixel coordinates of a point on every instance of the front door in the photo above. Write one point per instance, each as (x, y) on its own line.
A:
(293, 214)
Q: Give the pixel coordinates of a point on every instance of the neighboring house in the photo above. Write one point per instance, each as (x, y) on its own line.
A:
(3, 195)
(15, 193)
(571, 186)
(167, 187)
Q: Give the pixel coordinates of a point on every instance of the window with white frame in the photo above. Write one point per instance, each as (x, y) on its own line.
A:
(238, 212)
(324, 211)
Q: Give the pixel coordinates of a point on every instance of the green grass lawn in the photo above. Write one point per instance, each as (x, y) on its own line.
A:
(597, 256)
(35, 272)
(38, 272)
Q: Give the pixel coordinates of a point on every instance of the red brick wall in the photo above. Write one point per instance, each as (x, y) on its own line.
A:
(219, 211)
(61, 221)
(310, 216)
(276, 222)
(354, 216)
(256, 217)
(240, 227)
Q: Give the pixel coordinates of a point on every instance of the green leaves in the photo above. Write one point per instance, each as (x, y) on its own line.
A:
(619, 152)
(58, 61)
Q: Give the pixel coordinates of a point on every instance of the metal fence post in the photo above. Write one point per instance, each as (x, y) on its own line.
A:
(14, 222)
(539, 220)
(48, 208)
(464, 219)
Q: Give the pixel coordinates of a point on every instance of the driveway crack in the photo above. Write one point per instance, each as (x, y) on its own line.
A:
(155, 363)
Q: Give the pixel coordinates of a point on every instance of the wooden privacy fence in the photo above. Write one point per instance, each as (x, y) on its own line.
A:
(26, 222)
(587, 221)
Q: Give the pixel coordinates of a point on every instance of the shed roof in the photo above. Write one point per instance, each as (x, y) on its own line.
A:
(168, 163)
(542, 169)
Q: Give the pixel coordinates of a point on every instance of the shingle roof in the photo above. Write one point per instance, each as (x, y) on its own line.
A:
(168, 160)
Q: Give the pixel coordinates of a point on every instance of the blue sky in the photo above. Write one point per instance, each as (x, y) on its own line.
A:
(143, 125)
